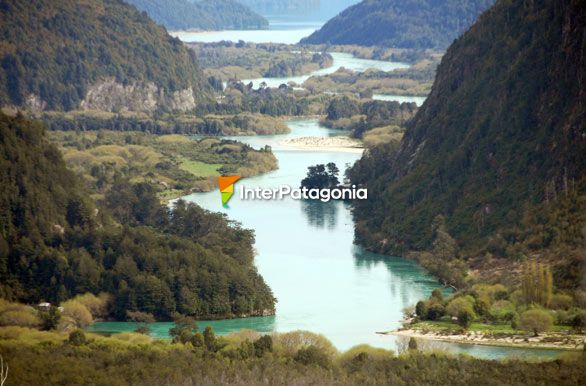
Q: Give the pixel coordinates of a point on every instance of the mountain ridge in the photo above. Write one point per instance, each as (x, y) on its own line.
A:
(400, 24)
(497, 148)
(54, 53)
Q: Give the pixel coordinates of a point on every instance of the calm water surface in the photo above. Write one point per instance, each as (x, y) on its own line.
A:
(341, 60)
(322, 280)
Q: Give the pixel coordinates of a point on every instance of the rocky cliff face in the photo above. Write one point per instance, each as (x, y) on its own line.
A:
(110, 95)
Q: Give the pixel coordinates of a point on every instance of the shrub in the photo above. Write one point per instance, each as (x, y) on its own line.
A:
(140, 317)
(412, 344)
(561, 302)
(77, 312)
(197, 340)
(292, 341)
(77, 338)
(313, 355)
(21, 317)
(515, 321)
(536, 321)
(144, 330)
(581, 298)
(458, 304)
(502, 310)
(435, 311)
(98, 306)
(578, 322)
(437, 294)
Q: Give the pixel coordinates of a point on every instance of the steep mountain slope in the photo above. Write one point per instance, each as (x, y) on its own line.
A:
(402, 24)
(203, 14)
(498, 147)
(56, 243)
(99, 54)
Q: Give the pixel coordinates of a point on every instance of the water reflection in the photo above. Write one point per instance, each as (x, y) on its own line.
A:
(321, 215)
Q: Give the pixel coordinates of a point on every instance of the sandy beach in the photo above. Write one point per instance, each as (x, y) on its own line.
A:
(546, 341)
(335, 144)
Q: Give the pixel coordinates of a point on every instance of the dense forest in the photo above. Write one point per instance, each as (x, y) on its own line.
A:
(56, 242)
(202, 14)
(497, 149)
(54, 52)
(402, 24)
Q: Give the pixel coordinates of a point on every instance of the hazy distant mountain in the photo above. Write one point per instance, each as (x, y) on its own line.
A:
(399, 23)
(201, 14)
(311, 9)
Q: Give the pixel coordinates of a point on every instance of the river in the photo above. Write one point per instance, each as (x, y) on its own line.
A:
(323, 282)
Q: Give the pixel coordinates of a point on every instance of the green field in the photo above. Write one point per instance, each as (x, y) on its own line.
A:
(198, 168)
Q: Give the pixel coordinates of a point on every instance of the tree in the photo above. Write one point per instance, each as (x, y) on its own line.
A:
(458, 304)
(412, 344)
(537, 284)
(579, 321)
(421, 309)
(209, 339)
(444, 246)
(50, 318)
(465, 318)
(321, 176)
(536, 321)
(184, 329)
(262, 345)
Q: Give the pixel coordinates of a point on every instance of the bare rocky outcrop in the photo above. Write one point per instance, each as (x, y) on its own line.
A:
(110, 95)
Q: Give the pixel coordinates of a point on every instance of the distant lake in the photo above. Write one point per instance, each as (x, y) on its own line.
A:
(281, 30)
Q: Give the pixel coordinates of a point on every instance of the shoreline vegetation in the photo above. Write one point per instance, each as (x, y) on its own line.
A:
(176, 164)
(301, 357)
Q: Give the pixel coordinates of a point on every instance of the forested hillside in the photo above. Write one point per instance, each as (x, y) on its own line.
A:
(201, 14)
(498, 148)
(55, 242)
(401, 24)
(99, 54)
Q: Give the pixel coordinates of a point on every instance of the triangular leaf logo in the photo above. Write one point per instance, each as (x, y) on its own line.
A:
(226, 184)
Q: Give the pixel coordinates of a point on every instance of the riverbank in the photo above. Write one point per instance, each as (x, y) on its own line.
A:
(555, 340)
(337, 144)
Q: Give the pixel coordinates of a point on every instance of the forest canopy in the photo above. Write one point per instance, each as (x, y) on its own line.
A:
(55, 242)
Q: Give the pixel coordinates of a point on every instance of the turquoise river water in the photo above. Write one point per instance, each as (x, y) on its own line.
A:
(322, 280)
